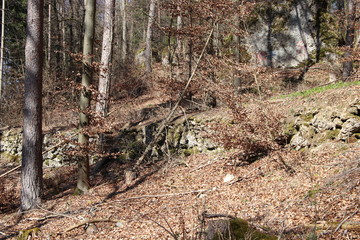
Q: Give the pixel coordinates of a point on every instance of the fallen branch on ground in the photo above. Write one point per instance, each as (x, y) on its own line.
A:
(89, 221)
(345, 219)
(163, 195)
(217, 215)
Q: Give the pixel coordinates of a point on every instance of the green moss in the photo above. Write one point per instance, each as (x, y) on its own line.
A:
(312, 192)
(190, 151)
(307, 117)
(25, 234)
(332, 134)
(10, 157)
(175, 134)
(241, 230)
(321, 89)
(78, 192)
(134, 150)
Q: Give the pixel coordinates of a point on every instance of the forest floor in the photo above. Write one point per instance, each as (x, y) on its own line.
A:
(290, 194)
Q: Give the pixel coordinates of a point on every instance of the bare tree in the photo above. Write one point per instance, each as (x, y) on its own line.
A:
(106, 56)
(83, 183)
(124, 31)
(148, 50)
(31, 174)
(2, 45)
(350, 10)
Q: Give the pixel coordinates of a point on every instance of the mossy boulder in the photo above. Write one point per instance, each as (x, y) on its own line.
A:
(237, 229)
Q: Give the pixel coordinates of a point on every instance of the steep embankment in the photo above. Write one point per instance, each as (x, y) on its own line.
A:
(293, 194)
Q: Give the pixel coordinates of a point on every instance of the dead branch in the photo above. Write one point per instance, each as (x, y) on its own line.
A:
(205, 165)
(44, 152)
(328, 225)
(165, 195)
(344, 220)
(217, 215)
(89, 221)
(166, 121)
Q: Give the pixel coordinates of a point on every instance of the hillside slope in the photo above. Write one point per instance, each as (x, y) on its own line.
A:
(293, 194)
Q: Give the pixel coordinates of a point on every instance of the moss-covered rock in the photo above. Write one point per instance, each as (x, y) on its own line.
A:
(26, 234)
(239, 229)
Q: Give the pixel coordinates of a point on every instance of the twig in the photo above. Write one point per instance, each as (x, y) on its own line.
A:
(217, 215)
(10, 171)
(164, 195)
(157, 223)
(55, 213)
(345, 219)
(205, 165)
(172, 111)
(89, 221)
(44, 152)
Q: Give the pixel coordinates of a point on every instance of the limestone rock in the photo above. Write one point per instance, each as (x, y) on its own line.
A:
(350, 127)
(322, 122)
(298, 141)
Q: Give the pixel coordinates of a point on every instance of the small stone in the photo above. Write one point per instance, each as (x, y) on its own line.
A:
(119, 224)
(228, 178)
(91, 229)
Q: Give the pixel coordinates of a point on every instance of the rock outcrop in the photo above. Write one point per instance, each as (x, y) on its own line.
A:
(311, 127)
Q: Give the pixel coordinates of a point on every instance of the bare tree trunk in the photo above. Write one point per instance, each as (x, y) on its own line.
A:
(83, 183)
(102, 105)
(237, 80)
(49, 38)
(179, 44)
(124, 31)
(148, 50)
(63, 39)
(31, 173)
(2, 46)
(350, 10)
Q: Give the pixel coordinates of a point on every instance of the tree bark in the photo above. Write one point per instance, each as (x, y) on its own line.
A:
(31, 174)
(102, 106)
(148, 50)
(83, 183)
(2, 46)
(124, 31)
(350, 10)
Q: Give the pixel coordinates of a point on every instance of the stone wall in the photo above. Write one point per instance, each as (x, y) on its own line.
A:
(183, 136)
(312, 127)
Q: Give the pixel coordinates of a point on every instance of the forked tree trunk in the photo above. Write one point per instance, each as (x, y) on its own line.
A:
(31, 168)
(148, 50)
(83, 183)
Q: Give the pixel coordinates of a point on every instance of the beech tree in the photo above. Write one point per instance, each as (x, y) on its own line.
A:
(2, 45)
(31, 171)
(350, 12)
(83, 183)
(106, 55)
(148, 51)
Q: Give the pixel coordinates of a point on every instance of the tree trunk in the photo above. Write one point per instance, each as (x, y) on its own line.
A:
(237, 42)
(124, 31)
(31, 174)
(148, 50)
(102, 105)
(2, 46)
(350, 10)
(49, 38)
(83, 183)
